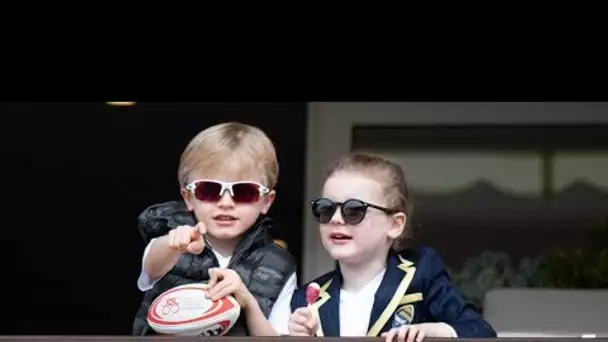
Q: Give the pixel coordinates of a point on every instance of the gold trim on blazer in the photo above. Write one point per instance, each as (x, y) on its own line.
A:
(411, 298)
(323, 297)
(410, 270)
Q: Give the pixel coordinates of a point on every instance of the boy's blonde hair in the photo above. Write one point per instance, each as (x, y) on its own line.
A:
(230, 147)
(391, 176)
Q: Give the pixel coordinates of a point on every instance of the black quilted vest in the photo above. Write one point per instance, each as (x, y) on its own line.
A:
(263, 266)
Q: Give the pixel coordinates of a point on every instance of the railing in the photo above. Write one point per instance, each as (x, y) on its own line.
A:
(264, 339)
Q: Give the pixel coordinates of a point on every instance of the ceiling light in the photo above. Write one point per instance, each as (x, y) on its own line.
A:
(121, 104)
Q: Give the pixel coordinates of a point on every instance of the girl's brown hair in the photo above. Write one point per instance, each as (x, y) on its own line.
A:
(391, 176)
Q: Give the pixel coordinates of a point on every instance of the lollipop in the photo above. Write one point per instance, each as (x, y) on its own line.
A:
(312, 293)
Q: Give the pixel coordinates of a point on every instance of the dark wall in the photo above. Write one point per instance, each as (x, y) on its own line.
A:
(90, 170)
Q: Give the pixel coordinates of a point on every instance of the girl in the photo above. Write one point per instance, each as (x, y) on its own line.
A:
(379, 288)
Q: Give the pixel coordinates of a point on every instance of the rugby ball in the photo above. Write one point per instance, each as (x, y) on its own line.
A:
(186, 311)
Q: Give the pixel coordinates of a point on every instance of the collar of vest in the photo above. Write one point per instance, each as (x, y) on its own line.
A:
(257, 236)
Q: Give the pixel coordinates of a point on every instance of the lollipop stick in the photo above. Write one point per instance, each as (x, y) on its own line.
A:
(312, 294)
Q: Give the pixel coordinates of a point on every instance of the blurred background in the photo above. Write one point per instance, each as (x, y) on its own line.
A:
(514, 197)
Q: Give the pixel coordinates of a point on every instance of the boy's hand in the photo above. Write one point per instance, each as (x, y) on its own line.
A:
(188, 239)
(303, 323)
(224, 282)
(413, 333)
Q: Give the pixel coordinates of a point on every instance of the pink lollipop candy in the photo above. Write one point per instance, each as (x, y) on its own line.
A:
(312, 293)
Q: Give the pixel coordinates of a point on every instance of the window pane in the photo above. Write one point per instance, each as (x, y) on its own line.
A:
(444, 172)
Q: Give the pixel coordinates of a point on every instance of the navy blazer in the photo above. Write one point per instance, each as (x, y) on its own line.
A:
(416, 288)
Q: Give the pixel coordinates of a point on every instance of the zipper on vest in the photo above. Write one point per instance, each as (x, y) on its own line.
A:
(208, 250)
(240, 249)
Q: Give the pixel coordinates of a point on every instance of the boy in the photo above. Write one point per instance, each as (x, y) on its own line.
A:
(378, 288)
(219, 233)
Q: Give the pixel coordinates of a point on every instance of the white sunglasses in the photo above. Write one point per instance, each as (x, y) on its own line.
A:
(210, 190)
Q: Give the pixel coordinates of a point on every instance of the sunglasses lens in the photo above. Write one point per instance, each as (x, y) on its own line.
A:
(323, 210)
(207, 191)
(243, 192)
(353, 211)
(246, 192)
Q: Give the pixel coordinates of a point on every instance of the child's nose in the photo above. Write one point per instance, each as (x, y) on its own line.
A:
(226, 200)
(337, 218)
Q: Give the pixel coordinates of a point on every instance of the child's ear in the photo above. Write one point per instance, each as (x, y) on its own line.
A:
(397, 225)
(186, 195)
(268, 200)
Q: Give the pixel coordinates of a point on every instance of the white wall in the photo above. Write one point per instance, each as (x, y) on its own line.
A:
(547, 312)
(330, 129)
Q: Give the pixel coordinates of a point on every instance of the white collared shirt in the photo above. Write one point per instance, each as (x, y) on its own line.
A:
(356, 308)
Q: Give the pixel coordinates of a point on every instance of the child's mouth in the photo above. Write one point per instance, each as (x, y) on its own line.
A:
(339, 237)
(225, 218)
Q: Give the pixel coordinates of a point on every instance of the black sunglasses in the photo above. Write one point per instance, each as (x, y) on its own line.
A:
(353, 210)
